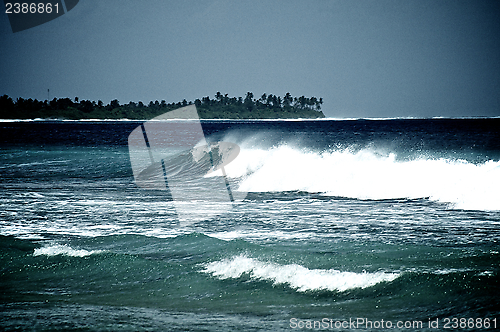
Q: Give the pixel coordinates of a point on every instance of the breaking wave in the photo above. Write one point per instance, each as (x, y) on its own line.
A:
(65, 250)
(295, 276)
(366, 174)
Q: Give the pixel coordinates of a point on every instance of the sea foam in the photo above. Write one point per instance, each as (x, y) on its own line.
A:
(65, 250)
(367, 174)
(295, 276)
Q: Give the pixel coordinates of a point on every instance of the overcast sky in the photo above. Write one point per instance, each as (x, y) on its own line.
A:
(365, 58)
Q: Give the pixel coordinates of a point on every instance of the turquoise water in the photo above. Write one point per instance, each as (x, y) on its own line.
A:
(394, 220)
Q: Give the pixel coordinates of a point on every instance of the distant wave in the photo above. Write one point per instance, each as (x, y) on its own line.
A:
(64, 250)
(415, 118)
(295, 276)
(70, 120)
(367, 174)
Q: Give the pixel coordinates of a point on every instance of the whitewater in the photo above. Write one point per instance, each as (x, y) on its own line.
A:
(369, 174)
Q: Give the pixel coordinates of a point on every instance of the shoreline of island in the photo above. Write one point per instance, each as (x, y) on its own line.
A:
(255, 120)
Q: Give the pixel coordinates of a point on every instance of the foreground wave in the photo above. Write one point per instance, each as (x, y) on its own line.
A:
(295, 276)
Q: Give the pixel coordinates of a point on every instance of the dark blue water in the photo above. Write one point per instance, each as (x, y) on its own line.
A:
(361, 220)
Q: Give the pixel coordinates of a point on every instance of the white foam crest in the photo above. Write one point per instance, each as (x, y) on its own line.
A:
(259, 235)
(295, 276)
(65, 250)
(368, 175)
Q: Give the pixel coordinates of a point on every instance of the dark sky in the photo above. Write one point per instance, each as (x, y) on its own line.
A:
(365, 58)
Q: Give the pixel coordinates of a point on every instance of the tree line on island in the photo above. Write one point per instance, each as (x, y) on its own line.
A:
(221, 107)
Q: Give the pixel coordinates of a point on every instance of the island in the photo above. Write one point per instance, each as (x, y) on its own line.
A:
(268, 106)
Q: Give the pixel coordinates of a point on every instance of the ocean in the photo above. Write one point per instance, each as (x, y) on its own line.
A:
(390, 224)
